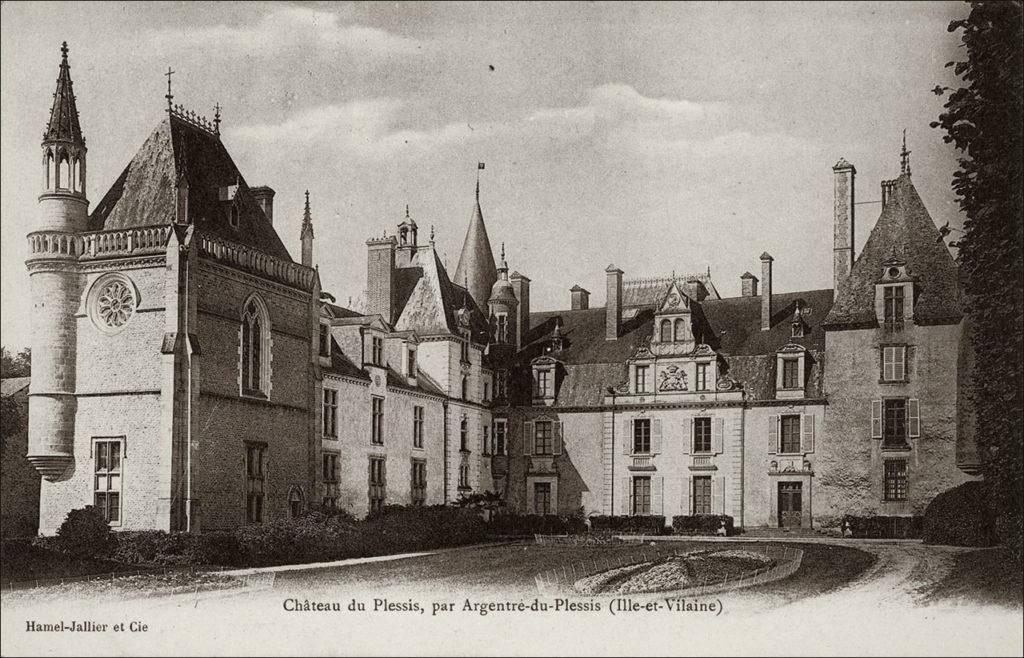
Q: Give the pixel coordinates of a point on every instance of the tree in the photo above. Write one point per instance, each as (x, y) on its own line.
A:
(17, 366)
(983, 121)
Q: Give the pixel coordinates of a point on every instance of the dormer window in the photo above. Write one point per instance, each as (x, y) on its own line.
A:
(798, 329)
(642, 379)
(233, 216)
(325, 340)
(377, 351)
(892, 308)
(680, 331)
(666, 331)
(702, 376)
(790, 368)
(544, 384)
(410, 365)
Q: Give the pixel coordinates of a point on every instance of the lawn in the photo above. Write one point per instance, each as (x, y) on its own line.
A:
(985, 576)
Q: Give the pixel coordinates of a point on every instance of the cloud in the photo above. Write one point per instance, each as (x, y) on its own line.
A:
(290, 28)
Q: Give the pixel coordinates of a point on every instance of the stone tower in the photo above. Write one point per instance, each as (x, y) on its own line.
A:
(476, 262)
(501, 307)
(54, 284)
(307, 235)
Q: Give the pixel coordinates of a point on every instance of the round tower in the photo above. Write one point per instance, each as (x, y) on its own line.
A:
(54, 284)
(501, 306)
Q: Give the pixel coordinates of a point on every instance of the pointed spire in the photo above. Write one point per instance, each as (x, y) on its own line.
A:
(905, 156)
(169, 96)
(216, 119)
(476, 262)
(307, 219)
(63, 124)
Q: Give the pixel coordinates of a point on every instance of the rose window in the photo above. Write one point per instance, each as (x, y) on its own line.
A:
(115, 304)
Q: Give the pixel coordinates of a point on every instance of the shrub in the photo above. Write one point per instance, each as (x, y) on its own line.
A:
(139, 547)
(535, 524)
(650, 525)
(960, 516)
(84, 533)
(702, 524)
(219, 548)
(883, 527)
(310, 538)
(397, 528)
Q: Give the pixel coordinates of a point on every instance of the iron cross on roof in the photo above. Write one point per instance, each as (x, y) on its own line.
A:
(169, 95)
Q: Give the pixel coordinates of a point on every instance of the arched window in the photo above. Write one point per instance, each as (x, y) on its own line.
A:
(464, 434)
(295, 502)
(51, 172)
(64, 173)
(465, 388)
(666, 331)
(255, 351)
(680, 331)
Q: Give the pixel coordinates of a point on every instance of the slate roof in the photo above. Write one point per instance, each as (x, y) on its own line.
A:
(12, 385)
(342, 365)
(650, 291)
(63, 124)
(733, 325)
(905, 223)
(144, 194)
(429, 303)
(476, 263)
(342, 312)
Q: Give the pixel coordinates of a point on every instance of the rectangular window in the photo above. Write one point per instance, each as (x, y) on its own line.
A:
(702, 435)
(465, 350)
(464, 435)
(790, 373)
(542, 498)
(543, 383)
(702, 495)
(642, 436)
(377, 354)
(330, 413)
(464, 476)
(502, 328)
(790, 426)
(325, 340)
(487, 391)
(543, 437)
(486, 440)
(499, 437)
(702, 377)
(378, 483)
(501, 385)
(419, 482)
(895, 479)
(894, 421)
(411, 370)
(417, 427)
(330, 467)
(893, 307)
(641, 496)
(642, 378)
(894, 363)
(377, 421)
(255, 481)
(108, 479)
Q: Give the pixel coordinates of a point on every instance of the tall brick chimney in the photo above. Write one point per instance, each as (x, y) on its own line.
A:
(766, 291)
(748, 285)
(843, 221)
(613, 305)
(521, 288)
(264, 197)
(580, 298)
(380, 269)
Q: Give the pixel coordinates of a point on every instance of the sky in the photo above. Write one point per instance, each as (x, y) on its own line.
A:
(657, 137)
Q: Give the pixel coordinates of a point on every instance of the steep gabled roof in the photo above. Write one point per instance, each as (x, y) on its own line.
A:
(733, 325)
(145, 192)
(906, 225)
(429, 303)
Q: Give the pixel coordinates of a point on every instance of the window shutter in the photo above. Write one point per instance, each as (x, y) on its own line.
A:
(718, 436)
(536, 385)
(627, 496)
(687, 436)
(656, 436)
(627, 440)
(657, 495)
(528, 438)
(914, 417)
(529, 497)
(718, 495)
(807, 433)
(684, 500)
(800, 381)
(779, 368)
(773, 434)
(900, 365)
(876, 419)
(556, 441)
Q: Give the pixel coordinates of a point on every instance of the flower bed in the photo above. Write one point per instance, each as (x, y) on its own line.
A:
(674, 573)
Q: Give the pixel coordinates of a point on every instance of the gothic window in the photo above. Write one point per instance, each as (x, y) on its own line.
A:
(666, 331)
(255, 349)
(465, 388)
(680, 330)
(295, 502)
(112, 302)
(64, 171)
(464, 435)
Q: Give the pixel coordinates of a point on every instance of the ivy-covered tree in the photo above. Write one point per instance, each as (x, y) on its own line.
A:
(983, 120)
(15, 366)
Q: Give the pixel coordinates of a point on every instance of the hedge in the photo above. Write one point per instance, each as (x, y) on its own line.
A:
(883, 527)
(702, 524)
(961, 516)
(649, 525)
(534, 524)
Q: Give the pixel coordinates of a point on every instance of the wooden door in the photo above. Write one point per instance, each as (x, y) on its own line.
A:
(790, 504)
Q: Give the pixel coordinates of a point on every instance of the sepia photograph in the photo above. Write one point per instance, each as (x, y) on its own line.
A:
(512, 328)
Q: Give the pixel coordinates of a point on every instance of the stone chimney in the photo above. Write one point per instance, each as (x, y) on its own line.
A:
(843, 218)
(613, 305)
(264, 197)
(766, 291)
(521, 288)
(580, 298)
(380, 269)
(748, 285)
(888, 187)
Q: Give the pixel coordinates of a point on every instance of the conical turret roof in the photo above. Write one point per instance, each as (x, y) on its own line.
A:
(476, 263)
(63, 124)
